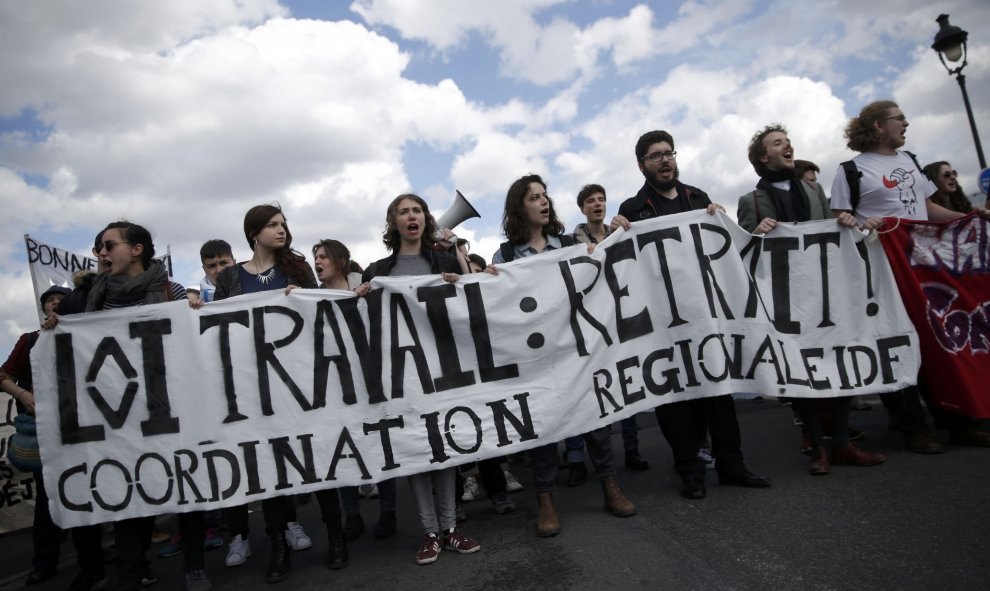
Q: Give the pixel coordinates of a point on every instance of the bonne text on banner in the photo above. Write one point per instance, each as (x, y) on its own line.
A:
(943, 272)
(162, 409)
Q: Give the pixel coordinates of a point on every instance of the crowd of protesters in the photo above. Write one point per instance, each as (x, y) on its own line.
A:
(702, 433)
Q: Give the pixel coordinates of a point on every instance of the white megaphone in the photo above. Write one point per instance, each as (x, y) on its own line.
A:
(458, 211)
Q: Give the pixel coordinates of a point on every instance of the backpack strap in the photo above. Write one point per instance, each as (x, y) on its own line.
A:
(756, 207)
(852, 179)
(168, 291)
(508, 253)
(920, 169)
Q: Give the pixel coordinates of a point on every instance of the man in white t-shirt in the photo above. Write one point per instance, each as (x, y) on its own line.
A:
(892, 184)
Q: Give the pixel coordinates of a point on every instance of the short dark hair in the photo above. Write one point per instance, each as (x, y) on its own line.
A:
(652, 137)
(215, 248)
(514, 216)
(135, 234)
(803, 166)
(757, 150)
(587, 191)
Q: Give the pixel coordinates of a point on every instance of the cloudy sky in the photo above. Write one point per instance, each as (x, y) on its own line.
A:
(181, 115)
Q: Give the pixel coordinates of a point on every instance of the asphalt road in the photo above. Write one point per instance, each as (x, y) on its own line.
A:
(916, 522)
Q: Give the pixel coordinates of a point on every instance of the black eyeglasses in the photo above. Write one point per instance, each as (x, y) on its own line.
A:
(108, 245)
(950, 174)
(658, 156)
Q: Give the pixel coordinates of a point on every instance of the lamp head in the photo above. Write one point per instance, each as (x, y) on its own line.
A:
(950, 41)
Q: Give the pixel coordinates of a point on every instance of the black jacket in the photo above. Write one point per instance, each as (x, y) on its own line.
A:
(640, 207)
(440, 262)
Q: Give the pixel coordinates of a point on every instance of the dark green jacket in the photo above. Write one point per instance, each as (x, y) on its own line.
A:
(756, 205)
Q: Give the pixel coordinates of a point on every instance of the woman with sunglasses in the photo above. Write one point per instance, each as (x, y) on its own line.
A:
(950, 195)
(132, 277)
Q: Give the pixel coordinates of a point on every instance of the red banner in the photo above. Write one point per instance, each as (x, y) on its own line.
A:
(943, 273)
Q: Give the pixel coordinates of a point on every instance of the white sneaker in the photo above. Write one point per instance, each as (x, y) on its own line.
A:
(239, 551)
(706, 456)
(511, 484)
(297, 538)
(471, 490)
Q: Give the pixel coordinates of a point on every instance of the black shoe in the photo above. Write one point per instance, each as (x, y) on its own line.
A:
(693, 487)
(353, 527)
(88, 581)
(634, 461)
(278, 566)
(149, 577)
(338, 546)
(385, 527)
(39, 576)
(576, 474)
(744, 478)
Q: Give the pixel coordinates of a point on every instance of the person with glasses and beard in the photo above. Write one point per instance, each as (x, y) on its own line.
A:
(685, 423)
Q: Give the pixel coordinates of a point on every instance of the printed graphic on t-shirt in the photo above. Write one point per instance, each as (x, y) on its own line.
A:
(903, 180)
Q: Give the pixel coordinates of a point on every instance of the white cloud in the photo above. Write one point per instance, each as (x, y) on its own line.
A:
(181, 115)
(559, 50)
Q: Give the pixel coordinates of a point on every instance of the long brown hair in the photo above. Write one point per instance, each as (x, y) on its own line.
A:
(957, 201)
(292, 262)
(391, 235)
(861, 131)
(514, 223)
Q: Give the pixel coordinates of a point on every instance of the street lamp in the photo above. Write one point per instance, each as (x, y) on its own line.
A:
(950, 44)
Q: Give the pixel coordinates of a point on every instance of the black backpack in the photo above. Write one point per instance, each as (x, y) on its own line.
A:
(509, 253)
(853, 175)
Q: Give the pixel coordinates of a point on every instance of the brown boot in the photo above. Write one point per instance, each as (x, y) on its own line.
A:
(547, 523)
(854, 456)
(819, 465)
(615, 502)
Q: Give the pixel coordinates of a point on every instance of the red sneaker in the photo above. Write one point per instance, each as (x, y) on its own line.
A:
(455, 540)
(429, 550)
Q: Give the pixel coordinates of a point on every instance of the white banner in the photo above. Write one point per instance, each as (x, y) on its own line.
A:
(51, 265)
(162, 409)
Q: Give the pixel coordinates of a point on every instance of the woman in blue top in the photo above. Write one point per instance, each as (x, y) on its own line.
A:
(275, 265)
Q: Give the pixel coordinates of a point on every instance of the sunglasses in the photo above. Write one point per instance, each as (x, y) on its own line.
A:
(950, 174)
(108, 245)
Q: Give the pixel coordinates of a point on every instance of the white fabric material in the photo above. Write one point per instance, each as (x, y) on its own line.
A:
(553, 346)
(890, 186)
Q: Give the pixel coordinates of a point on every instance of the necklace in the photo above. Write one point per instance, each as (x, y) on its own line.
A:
(267, 276)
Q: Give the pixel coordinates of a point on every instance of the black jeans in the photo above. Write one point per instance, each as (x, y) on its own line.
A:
(133, 538)
(905, 410)
(684, 425)
(275, 511)
(45, 535)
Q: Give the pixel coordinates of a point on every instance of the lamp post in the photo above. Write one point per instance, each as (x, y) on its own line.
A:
(950, 44)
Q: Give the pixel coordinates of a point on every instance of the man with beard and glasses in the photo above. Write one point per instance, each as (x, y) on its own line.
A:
(781, 196)
(684, 424)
